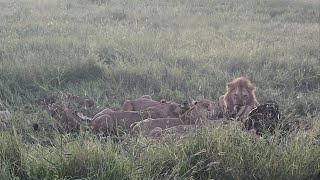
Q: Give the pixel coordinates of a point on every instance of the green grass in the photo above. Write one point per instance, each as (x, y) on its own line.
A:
(232, 154)
(177, 50)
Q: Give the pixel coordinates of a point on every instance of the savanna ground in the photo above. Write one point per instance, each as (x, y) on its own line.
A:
(177, 50)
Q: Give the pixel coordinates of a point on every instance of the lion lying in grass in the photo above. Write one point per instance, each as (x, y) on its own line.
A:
(139, 104)
(110, 121)
(202, 110)
(161, 110)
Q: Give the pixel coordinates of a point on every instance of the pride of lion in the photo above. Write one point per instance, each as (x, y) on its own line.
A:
(150, 118)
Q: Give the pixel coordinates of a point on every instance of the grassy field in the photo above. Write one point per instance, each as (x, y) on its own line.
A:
(178, 50)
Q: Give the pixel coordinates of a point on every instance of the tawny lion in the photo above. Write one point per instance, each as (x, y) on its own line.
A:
(239, 98)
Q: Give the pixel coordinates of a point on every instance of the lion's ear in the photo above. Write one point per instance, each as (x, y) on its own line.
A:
(194, 102)
(229, 85)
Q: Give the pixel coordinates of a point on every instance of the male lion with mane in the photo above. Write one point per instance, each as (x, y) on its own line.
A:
(239, 99)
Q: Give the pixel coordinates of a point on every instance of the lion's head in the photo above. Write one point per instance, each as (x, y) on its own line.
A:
(56, 109)
(165, 109)
(202, 109)
(240, 92)
(65, 121)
